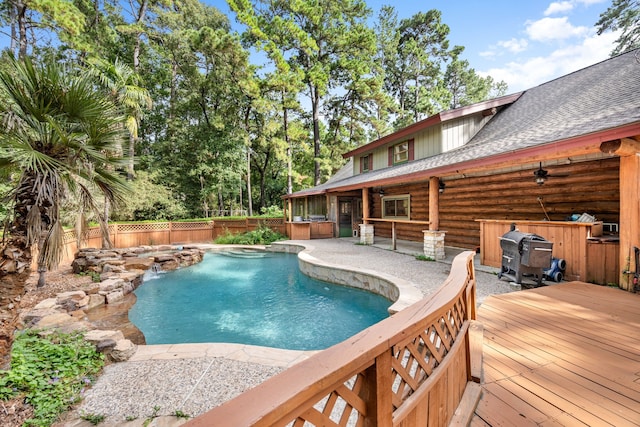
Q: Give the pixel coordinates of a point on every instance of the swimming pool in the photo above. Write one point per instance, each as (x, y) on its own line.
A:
(251, 298)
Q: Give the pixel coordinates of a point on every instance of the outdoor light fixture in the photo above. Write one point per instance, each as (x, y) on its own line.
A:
(440, 186)
(541, 175)
(381, 192)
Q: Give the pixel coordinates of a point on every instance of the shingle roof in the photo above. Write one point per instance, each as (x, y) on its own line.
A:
(597, 98)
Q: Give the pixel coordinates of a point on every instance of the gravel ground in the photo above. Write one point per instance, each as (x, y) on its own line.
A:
(143, 390)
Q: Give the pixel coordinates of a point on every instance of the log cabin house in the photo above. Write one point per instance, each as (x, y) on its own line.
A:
(540, 159)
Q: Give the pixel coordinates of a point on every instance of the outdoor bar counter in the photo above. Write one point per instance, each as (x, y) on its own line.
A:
(590, 256)
(306, 230)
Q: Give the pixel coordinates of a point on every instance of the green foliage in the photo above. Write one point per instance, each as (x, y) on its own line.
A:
(272, 212)
(94, 419)
(623, 15)
(62, 135)
(95, 276)
(6, 205)
(217, 123)
(260, 236)
(179, 414)
(424, 258)
(50, 371)
(150, 201)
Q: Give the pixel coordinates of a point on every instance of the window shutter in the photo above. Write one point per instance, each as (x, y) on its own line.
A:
(410, 153)
(391, 156)
(370, 162)
(361, 160)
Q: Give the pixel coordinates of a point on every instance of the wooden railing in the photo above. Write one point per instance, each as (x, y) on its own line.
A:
(393, 226)
(410, 369)
(166, 233)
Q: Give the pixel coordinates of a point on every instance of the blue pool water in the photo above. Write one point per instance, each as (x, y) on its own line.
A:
(260, 300)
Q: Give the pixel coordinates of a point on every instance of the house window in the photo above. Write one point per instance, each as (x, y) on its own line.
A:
(401, 153)
(396, 207)
(366, 163)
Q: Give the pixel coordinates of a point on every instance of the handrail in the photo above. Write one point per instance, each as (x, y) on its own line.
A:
(393, 226)
(381, 376)
(400, 221)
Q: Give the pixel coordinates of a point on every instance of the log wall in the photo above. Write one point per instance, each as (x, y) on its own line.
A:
(592, 187)
(419, 211)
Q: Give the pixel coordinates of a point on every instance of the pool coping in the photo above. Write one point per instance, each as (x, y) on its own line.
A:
(402, 292)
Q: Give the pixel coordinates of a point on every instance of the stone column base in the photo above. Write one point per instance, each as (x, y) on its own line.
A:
(434, 244)
(366, 234)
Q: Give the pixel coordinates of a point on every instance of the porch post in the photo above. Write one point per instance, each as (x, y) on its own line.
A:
(365, 205)
(629, 217)
(366, 229)
(434, 205)
(433, 237)
(629, 151)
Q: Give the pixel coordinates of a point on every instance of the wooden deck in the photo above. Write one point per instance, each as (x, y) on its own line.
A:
(561, 355)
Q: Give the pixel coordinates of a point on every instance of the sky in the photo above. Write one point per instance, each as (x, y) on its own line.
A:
(525, 43)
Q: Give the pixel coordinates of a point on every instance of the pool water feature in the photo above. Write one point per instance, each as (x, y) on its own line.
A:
(251, 298)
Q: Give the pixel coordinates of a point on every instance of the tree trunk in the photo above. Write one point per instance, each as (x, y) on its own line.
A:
(249, 199)
(132, 151)
(142, 11)
(22, 29)
(285, 119)
(315, 105)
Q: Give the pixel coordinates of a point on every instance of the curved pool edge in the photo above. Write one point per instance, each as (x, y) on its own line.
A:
(267, 356)
(402, 292)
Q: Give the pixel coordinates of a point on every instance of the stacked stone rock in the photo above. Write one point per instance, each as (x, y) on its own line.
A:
(120, 273)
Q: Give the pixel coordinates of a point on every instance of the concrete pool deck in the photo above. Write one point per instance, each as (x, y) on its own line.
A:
(160, 381)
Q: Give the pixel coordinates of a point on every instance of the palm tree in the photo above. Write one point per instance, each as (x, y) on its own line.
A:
(124, 87)
(59, 132)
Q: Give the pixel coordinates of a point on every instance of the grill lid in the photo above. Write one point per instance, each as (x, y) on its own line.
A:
(517, 237)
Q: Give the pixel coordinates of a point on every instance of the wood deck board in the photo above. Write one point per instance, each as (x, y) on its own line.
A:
(549, 328)
(551, 344)
(573, 310)
(577, 327)
(566, 354)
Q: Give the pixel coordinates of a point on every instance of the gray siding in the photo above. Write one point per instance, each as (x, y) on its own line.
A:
(432, 141)
(456, 133)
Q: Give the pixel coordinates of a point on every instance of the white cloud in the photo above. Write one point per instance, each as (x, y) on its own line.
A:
(558, 7)
(488, 53)
(514, 45)
(547, 29)
(590, 2)
(530, 72)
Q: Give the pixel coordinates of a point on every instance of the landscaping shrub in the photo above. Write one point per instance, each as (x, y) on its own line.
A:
(51, 372)
(259, 236)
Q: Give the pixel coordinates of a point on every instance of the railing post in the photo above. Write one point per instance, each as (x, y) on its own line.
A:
(376, 392)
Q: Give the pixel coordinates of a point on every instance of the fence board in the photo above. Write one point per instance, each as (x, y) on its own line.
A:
(165, 233)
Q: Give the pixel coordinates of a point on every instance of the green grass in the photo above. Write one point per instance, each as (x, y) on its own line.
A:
(51, 372)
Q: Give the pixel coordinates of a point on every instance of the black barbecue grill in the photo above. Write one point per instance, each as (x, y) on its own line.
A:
(524, 254)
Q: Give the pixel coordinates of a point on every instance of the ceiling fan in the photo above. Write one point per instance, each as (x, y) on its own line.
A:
(541, 175)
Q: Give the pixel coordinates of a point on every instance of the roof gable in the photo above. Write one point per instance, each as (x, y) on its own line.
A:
(434, 120)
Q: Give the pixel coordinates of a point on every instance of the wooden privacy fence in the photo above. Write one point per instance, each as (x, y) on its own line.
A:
(166, 233)
(411, 369)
